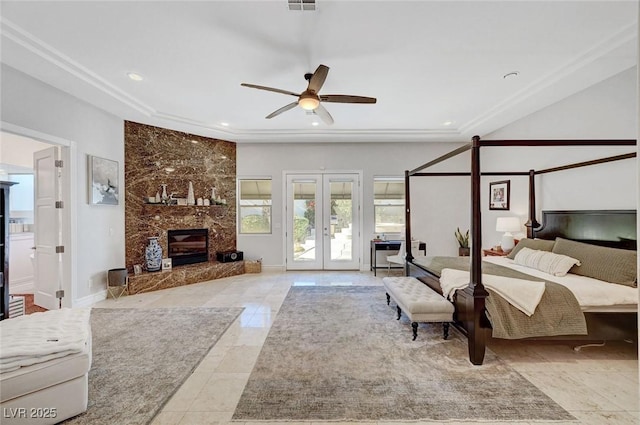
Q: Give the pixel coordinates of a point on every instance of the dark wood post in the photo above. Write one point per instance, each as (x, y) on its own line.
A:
(475, 292)
(407, 216)
(532, 223)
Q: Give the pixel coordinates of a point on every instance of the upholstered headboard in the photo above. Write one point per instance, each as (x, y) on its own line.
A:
(612, 228)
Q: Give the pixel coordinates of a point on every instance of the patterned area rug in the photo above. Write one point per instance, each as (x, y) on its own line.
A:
(337, 353)
(142, 356)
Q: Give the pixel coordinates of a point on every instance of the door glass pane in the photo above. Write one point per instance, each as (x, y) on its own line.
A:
(341, 219)
(304, 220)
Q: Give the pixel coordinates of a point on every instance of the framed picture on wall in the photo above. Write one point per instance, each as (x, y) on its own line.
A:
(499, 194)
(103, 181)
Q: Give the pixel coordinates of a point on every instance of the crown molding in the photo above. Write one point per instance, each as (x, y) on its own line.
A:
(50, 54)
(607, 46)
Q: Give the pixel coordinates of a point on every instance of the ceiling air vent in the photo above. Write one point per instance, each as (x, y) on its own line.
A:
(302, 4)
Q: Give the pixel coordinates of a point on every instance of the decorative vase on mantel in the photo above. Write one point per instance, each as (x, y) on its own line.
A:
(191, 199)
(153, 254)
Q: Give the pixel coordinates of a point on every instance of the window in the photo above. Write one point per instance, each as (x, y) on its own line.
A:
(255, 206)
(388, 205)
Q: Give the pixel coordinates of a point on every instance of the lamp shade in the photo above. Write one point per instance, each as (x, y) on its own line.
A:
(308, 103)
(508, 224)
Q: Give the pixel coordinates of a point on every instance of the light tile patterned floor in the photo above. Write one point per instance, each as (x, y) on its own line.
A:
(597, 385)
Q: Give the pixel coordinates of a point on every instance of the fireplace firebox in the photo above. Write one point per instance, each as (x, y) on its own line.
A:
(188, 246)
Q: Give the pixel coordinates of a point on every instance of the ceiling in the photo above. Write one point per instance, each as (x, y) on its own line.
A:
(436, 68)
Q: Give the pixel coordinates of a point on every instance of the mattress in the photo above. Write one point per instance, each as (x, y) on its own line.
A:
(40, 337)
(593, 295)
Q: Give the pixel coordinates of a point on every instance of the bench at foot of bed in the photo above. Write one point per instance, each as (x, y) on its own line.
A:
(419, 302)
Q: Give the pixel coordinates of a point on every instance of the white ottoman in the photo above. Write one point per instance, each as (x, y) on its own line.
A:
(46, 388)
(419, 302)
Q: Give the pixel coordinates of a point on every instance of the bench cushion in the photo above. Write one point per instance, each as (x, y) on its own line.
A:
(419, 302)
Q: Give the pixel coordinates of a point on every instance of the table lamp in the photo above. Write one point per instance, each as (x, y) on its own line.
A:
(507, 225)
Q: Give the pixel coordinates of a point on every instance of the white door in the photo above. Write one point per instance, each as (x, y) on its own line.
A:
(47, 221)
(323, 221)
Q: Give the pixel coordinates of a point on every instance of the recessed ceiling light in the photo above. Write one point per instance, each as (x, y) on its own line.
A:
(169, 169)
(134, 76)
(315, 123)
(195, 142)
(224, 124)
(511, 74)
(223, 157)
(448, 123)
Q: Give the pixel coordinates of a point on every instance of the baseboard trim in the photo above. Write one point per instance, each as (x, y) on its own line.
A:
(273, 268)
(90, 300)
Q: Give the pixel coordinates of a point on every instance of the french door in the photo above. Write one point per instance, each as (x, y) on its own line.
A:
(323, 221)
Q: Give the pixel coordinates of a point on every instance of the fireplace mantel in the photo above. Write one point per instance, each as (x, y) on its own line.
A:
(157, 158)
(183, 275)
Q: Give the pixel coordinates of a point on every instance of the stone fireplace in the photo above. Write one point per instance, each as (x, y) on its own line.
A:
(155, 157)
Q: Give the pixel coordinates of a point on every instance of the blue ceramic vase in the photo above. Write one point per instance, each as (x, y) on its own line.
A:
(153, 255)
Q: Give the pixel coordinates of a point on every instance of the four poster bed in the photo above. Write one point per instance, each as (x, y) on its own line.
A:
(566, 306)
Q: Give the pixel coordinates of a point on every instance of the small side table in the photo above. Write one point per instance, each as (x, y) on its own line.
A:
(494, 253)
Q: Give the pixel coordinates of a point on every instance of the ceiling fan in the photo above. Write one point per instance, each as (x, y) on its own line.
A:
(310, 100)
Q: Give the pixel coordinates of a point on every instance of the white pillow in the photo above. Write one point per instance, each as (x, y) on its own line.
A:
(548, 262)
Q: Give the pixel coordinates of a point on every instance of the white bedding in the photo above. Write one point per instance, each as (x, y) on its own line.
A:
(592, 294)
(40, 337)
(523, 294)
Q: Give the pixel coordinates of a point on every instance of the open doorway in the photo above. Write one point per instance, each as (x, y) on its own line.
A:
(40, 274)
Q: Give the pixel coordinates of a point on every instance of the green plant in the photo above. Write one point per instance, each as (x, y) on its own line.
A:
(300, 229)
(463, 240)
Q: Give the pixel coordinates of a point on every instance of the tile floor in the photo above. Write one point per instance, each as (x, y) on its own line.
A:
(597, 385)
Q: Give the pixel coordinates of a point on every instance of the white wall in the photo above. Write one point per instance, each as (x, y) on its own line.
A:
(373, 159)
(439, 204)
(607, 110)
(18, 150)
(31, 104)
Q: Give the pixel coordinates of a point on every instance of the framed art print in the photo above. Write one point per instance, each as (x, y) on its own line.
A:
(499, 194)
(166, 264)
(103, 181)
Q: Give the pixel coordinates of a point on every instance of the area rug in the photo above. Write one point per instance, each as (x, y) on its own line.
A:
(337, 353)
(142, 356)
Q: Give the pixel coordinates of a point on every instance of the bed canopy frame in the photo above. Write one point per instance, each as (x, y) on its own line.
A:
(475, 323)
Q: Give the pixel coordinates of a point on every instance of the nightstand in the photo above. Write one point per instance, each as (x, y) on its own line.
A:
(493, 252)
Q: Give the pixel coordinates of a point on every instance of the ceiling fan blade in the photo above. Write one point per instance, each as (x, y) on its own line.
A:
(283, 109)
(345, 98)
(318, 77)
(253, 86)
(324, 115)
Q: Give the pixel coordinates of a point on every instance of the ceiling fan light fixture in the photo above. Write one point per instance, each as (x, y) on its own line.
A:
(308, 103)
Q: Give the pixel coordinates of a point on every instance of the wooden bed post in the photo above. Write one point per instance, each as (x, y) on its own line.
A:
(407, 217)
(532, 223)
(474, 295)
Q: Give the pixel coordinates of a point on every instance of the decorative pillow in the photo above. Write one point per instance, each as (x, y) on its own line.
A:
(548, 262)
(600, 262)
(536, 244)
